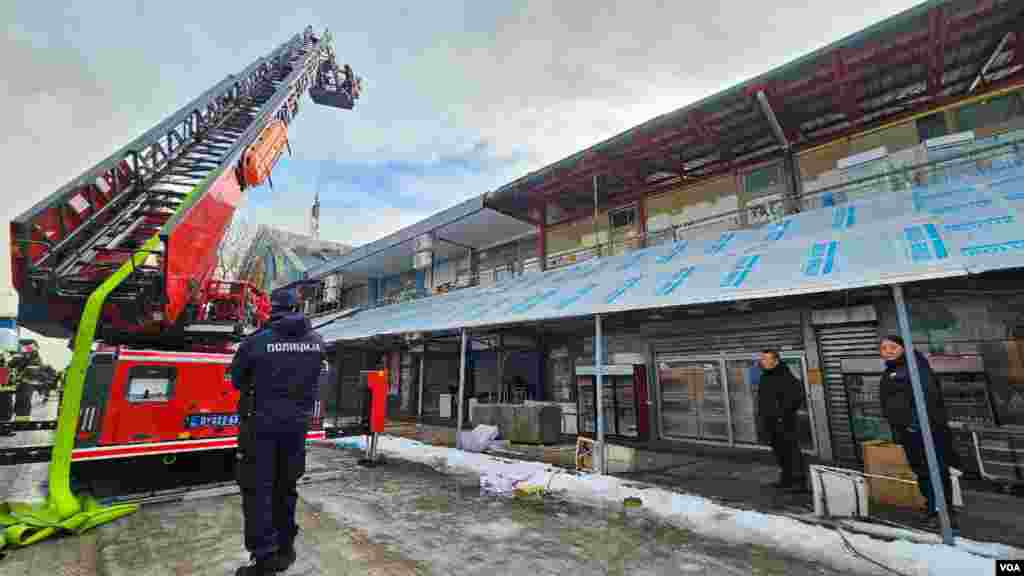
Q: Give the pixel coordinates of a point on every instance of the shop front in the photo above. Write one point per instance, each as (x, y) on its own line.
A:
(713, 398)
(624, 399)
(686, 380)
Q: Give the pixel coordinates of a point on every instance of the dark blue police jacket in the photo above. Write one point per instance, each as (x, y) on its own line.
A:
(281, 364)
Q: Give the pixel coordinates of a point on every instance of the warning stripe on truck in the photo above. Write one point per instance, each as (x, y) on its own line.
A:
(159, 448)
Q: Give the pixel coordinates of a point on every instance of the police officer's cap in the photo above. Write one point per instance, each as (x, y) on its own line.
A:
(284, 299)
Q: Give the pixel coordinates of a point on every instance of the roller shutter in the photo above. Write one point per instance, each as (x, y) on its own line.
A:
(784, 338)
(836, 342)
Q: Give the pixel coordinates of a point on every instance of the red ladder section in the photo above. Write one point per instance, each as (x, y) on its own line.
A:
(68, 244)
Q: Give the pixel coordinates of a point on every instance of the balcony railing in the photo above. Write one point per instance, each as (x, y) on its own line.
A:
(982, 157)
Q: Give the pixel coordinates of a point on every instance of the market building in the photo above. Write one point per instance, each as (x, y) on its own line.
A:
(911, 128)
(277, 257)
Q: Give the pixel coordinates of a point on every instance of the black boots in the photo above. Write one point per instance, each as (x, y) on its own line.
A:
(278, 562)
(257, 568)
(283, 559)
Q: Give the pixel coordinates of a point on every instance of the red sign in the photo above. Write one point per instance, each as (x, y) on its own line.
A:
(378, 383)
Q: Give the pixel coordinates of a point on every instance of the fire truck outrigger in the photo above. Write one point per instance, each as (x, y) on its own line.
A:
(122, 259)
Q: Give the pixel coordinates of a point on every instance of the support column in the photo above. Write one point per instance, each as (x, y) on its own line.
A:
(474, 266)
(542, 237)
(599, 451)
(421, 281)
(373, 291)
(419, 394)
(641, 214)
(594, 228)
(795, 185)
(462, 389)
(922, 416)
(791, 203)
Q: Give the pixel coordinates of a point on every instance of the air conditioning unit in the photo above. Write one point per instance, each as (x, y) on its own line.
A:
(423, 260)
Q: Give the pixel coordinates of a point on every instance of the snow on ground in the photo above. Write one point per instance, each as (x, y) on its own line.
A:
(810, 542)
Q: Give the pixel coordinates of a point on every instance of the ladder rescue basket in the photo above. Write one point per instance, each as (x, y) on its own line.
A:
(261, 155)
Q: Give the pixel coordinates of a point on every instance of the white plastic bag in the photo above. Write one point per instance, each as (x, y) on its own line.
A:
(479, 438)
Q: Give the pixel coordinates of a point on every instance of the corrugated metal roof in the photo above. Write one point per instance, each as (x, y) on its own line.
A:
(969, 225)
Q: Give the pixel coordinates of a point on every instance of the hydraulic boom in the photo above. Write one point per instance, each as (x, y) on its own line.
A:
(181, 182)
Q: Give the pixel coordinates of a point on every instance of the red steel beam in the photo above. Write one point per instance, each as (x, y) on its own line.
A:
(910, 47)
(841, 77)
(938, 32)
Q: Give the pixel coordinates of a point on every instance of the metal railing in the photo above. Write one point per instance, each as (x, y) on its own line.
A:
(981, 158)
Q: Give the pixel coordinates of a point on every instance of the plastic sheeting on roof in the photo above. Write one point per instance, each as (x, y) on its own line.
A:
(969, 225)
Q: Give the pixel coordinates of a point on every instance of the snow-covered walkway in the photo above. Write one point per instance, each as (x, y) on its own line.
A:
(702, 516)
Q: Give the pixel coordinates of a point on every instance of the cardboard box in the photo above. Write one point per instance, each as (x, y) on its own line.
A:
(882, 458)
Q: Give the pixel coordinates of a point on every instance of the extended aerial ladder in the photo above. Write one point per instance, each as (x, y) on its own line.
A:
(179, 182)
(126, 252)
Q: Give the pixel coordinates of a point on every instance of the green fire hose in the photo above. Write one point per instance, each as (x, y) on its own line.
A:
(25, 524)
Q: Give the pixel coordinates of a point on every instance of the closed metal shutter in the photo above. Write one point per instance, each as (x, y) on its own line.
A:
(836, 342)
(782, 338)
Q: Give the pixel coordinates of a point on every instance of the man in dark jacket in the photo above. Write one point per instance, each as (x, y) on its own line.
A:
(897, 398)
(780, 395)
(276, 370)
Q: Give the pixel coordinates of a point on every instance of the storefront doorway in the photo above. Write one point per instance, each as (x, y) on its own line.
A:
(623, 401)
(713, 398)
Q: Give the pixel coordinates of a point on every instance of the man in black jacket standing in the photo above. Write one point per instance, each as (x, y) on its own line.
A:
(897, 398)
(780, 396)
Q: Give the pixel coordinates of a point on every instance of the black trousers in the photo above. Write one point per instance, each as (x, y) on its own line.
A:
(783, 438)
(913, 446)
(274, 458)
(6, 405)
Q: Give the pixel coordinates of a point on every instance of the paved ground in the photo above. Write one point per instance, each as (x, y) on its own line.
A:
(986, 516)
(401, 519)
(743, 481)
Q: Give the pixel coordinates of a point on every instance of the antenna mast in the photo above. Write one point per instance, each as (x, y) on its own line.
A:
(314, 220)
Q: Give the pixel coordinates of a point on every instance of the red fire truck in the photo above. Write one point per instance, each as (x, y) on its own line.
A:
(141, 231)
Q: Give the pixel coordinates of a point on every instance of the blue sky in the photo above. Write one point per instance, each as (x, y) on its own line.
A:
(460, 97)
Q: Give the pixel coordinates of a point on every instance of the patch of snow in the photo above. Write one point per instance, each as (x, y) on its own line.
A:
(700, 515)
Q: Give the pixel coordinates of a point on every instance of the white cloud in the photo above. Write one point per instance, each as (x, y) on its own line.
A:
(537, 80)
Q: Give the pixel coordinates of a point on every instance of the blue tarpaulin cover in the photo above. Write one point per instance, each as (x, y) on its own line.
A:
(967, 225)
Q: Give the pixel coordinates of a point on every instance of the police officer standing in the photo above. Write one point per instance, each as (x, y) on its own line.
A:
(276, 370)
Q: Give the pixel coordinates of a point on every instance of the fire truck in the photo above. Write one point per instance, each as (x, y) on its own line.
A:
(121, 260)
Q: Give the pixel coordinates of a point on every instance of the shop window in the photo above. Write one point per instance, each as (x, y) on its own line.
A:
(562, 385)
(686, 205)
(692, 399)
(893, 138)
(574, 235)
(989, 115)
(763, 180)
(932, 126)
(528, 248)
(151, 383)
(821, 160)
(623, 218)
(744, 378)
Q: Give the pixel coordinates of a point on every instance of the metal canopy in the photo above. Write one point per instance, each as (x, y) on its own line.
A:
(917, 60)
(970, 225)
(456, 230)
